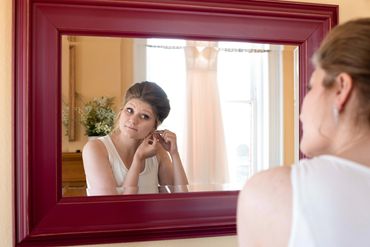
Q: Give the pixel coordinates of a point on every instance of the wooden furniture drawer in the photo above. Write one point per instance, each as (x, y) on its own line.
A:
(73, 175)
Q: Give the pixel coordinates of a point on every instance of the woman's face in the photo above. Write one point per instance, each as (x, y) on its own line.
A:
(137, 119)
(317, 119)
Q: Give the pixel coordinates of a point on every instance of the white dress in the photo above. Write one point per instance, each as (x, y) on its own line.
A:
(148, 178)
(331, 203)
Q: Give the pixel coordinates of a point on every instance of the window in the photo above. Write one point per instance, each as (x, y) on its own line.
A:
(249, 89)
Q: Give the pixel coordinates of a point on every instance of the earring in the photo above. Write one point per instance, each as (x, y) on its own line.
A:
(335, 114)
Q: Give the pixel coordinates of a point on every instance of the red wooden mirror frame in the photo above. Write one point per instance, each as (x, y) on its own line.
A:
(42, 216)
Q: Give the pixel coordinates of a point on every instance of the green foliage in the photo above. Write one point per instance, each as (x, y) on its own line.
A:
(97, 116)
(65, 117)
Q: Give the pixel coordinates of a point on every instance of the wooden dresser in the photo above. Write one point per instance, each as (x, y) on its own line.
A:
(73, 175)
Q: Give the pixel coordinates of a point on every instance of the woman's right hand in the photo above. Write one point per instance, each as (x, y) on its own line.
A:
(168, 140)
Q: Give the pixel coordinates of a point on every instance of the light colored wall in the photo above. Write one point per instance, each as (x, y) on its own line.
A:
(6, 170)
(348, 9)
(94, 78)
(288, 105)
(229, 241)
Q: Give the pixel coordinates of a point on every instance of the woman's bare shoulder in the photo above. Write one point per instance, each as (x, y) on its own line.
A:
(268, 188)
(270, 180)
(264, 208)
(94, 149)
(94, 145)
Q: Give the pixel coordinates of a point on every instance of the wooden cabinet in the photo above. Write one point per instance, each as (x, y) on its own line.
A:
(73, 175)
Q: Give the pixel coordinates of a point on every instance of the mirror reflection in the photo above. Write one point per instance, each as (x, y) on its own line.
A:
(234, 105)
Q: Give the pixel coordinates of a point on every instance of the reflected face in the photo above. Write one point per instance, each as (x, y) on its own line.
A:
(317, 116)
(137, 119)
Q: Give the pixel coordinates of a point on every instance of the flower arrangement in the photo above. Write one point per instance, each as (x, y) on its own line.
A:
(97, 116)
(65, 117)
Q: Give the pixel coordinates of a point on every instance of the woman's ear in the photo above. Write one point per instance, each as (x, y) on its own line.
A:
(157, 123)
(344, 88)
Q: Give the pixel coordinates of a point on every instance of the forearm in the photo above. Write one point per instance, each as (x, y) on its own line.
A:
(179, 175)
(130, 185)
(102, 191)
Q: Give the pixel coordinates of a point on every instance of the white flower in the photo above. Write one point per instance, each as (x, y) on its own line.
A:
(97, 116)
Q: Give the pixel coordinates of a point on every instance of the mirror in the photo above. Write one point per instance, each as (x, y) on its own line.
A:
(43, 216)
(235, 104)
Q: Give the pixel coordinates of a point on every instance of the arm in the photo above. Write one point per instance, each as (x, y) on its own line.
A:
(98, 169)
(264, 209)
(130, 184)
(146, 149)
(171, 171)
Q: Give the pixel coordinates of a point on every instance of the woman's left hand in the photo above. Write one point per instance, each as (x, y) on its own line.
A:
(167, 139)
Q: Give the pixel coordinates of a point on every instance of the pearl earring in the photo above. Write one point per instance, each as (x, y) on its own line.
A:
(335, 114)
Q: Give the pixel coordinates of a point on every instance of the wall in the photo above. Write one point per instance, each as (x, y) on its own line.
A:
(348, 10)
(289, 104)
(93, 54)
(6, 172)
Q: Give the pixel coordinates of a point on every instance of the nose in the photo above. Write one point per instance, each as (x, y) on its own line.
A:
(133, 120)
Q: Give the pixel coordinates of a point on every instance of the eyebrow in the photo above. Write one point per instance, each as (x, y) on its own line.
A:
(149, 112)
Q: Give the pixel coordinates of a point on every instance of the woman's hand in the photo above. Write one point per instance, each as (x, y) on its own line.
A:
(171, 171)
(147, 148)
(167, 139)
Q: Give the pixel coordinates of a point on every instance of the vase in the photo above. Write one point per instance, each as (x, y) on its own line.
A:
(92, 137)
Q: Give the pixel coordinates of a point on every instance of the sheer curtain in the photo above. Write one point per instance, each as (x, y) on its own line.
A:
(205, 143)
(220, 106)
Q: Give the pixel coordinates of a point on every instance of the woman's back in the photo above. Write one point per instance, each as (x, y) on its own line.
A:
(331, 203)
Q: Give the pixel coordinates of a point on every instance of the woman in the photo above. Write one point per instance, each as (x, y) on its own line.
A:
(135, 157)
(324, 200)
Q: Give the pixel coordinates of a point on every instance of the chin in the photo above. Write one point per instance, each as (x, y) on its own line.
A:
(305, 149)
(307, 154)
(312, 150)
(129, 134)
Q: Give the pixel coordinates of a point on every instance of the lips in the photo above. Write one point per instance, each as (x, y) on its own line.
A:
(131, 128)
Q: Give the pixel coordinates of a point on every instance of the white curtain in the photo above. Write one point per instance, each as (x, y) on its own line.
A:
(206, 160)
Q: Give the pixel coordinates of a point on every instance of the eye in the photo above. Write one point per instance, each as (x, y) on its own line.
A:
(309, 87)
(129, 110)
(145, 116)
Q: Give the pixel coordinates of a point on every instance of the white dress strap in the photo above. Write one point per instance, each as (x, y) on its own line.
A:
(148, 178)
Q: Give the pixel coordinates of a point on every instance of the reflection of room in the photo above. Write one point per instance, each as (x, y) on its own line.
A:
(105, 67)
(100, 71)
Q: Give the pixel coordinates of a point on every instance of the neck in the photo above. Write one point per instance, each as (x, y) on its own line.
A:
(124, 145)
(352, 143)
